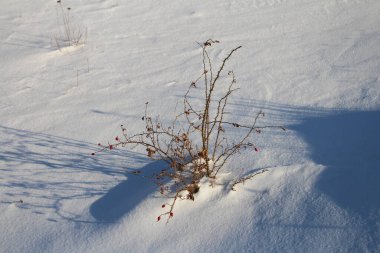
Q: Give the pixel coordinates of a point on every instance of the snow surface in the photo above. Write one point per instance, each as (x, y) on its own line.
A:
(311, 65)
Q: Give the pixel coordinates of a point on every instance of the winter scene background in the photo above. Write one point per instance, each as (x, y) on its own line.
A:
(312, 66)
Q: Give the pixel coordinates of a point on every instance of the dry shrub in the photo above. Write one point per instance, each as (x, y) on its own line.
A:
(196, 144)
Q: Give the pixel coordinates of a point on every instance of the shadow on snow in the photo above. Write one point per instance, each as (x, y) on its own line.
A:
(347, 144)
(125, 196)
(50, 173)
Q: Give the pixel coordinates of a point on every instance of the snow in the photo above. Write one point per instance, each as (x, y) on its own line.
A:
(310, 65)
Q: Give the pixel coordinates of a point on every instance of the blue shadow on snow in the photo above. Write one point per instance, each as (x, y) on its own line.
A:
(348, 144)
(126, 196)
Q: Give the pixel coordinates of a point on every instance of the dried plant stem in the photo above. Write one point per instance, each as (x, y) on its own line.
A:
(243, 179)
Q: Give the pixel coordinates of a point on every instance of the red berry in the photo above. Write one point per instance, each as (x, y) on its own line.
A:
(171, 214)
(158, 218)
(256, 149)
(111, 147)
(163, 206)
(117, 138)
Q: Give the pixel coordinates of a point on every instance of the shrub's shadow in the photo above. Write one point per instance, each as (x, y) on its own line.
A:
(126, 196)
(348, 145)
(50, 173)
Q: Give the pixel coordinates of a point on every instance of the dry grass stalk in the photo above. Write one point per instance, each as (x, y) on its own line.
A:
(69, 33)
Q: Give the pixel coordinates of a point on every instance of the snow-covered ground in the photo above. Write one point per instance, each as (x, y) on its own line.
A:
(311, 65)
